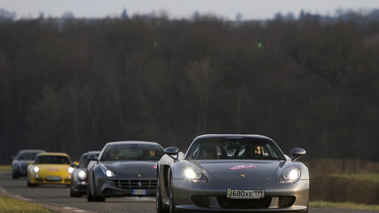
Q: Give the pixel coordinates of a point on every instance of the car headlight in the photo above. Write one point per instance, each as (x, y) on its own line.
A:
(106, 171)
(82, 174)
(290, 175)
(194, 174)
(36, 169)
(70, 169)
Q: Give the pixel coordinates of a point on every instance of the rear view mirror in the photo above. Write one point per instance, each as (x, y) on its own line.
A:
(92, 157)
(170, 151)
(297, 153)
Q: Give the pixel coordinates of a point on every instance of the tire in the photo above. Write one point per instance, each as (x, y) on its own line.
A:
(158, 202)
(172, 203)
(172, 200)
(14, 175)
(31, 184)
(89, 195)
(95, 197)
(73, 193)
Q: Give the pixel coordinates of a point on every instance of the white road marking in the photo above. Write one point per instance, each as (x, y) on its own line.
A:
(68, 207)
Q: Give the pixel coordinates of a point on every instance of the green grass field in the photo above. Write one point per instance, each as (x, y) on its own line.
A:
(15, 205)
(5, 168)
(369, 177)
(346, 205)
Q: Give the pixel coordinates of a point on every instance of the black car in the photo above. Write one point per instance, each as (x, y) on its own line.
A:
(78, 186)
(126, 168)
(20, 161)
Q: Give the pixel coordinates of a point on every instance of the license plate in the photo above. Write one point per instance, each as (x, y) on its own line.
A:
(53, 178)
(139, 192)
(245, 194)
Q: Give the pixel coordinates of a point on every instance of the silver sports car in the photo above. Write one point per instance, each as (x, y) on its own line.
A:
(232, 173)
(126, 168)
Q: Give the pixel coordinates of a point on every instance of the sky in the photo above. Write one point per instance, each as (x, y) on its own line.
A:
(227, 9)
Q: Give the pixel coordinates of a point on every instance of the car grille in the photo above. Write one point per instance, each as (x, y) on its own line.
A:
(134, 184)
(224, 202)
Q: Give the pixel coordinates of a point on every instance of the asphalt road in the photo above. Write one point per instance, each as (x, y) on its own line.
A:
(58, 198)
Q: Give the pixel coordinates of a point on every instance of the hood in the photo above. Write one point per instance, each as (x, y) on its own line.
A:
(249, 170)
(142, 169)
(53, 168)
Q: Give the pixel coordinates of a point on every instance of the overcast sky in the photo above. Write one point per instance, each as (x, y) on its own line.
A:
(249, 9)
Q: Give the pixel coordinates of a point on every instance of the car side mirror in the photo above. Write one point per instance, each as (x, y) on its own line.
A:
(297, 153)
(172, 151)
(92, 157)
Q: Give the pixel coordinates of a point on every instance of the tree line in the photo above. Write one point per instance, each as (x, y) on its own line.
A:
(74, 86)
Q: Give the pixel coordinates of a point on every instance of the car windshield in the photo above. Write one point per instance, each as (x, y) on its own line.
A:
(27, 156)
(132, 152)
(234, 148)
(84, 161)
(50, 159)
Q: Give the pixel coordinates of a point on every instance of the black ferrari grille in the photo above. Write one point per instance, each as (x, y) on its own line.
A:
(134, 184)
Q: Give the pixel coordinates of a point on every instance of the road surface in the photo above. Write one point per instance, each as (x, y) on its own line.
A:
(58, 198)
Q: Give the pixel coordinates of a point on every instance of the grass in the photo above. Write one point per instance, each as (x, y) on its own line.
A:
(346, 205)
(15, 205)
(370, 177)
(4, 168)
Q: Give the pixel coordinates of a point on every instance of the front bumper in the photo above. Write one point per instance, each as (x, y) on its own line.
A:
(212, 196)
(37, 179)
(79, 186)
(109, 187)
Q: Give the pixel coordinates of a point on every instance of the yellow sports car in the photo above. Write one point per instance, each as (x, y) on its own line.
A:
(50, 168)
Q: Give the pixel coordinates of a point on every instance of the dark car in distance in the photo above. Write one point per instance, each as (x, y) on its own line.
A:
(78, 186)
(20, 161)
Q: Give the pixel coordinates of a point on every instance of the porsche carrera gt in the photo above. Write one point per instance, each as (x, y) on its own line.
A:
(232, 173)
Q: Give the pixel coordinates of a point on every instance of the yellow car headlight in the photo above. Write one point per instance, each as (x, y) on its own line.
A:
(70, 170)
(36, 169)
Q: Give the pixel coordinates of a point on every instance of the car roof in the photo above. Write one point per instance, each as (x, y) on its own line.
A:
(53, 154)
(232, 136)
(132, 142)
(31, 150)
(90, 152)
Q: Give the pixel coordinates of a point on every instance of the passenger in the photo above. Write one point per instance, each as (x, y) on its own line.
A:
(254, 152)
(114, 155)
(209, 152)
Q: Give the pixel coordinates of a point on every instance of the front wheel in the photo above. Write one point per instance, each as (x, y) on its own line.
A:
(95, 197)
(14, 174)
(158, 200)
(73, 193)
(172, 201)
(89, 194)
